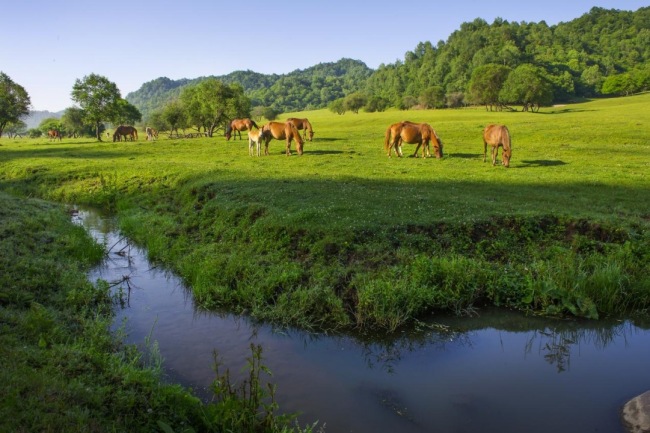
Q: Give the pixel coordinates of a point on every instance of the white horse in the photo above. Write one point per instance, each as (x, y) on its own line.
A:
(255, 139)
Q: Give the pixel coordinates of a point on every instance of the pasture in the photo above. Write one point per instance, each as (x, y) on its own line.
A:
(345, 236)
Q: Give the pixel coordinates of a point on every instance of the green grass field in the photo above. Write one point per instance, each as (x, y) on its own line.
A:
(345, 236)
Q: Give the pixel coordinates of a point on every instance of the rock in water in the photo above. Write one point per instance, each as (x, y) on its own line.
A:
(636, 414)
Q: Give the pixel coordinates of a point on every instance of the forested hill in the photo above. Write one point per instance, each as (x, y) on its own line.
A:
(313, 87)
(602, 52)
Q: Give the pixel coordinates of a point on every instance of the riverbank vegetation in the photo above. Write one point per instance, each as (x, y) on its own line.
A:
(344, 237)
(62, 369)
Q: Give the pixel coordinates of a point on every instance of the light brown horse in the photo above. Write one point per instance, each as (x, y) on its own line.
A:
(124, 131)
(152, 134)
(255, 140)
(282, 131)
(421, 134)
(303, 125)
(53, 134)
(495, 136)
(239, 125)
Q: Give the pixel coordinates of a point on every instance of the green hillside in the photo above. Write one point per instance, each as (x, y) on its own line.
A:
(603, 52)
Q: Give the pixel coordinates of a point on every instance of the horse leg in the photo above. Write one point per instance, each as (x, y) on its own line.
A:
(495, 151)
(484, 150)
(288, 146)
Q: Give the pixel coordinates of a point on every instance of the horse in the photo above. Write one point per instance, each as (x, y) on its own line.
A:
(255, 140)
(495, 136)
(53, 134)
(282, 131)
(421, 134)
(239, 125)
(303, 124)
(124, 131)
(152, 134)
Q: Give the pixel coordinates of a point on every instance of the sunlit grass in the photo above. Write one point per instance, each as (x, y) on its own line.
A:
(266, 235)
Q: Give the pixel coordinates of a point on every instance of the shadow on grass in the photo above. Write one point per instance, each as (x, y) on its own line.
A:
(319, 139)
(540, 163)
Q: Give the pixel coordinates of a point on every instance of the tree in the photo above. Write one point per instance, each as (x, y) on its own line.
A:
(174, 115)
(337, 106)
(73, 122)
(355, 101)
(98, 98)
(126, 114)
(527, 85)
(211, 104)
(432, 97)
(15, 129)
(486, 83)
(50, 123)
(14, 102)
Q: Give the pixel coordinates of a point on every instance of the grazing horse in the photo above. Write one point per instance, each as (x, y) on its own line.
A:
(255, 140)
(152, 134)
(53, 134)
(495, 136)
(124, 131)
(239, 125)
(421, 134)
(282, 131)
(303, 124)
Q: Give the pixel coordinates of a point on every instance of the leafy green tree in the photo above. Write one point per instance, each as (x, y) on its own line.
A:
(432, 97)
(73, 122)
(126, 114)
(270, 113)
(157, 121)
(211, 104)
(376, 103)
(15, 129)
(527, 85)
(620, 84)
(98, 98)
(174, 115)
(34, 133)
(49, 124)
(355, 101)
(486, 83)
(14, 102)
(337, 106)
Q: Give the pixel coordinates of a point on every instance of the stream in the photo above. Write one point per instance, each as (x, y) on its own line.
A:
(499, 371)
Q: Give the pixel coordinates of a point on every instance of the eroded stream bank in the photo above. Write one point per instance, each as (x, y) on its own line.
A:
(498, 372)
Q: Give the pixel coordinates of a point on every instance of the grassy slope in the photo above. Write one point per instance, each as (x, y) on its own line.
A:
(341, 234)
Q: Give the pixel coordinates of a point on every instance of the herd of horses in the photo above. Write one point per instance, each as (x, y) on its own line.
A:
(420, 134)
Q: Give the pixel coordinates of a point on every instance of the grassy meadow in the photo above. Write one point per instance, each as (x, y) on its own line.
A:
(345, 237)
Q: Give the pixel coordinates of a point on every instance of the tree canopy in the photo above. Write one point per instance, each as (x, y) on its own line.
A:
(98, 98)
(14, 102)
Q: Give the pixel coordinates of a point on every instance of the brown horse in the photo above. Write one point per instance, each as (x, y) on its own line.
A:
(124, 131)
(495, 136)
(421, 134)
(239, 125)
(282, 131)
(304, 125)
(53, 134)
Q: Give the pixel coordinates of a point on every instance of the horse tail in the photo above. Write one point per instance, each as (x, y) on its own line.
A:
(135, 132)
(387, 138)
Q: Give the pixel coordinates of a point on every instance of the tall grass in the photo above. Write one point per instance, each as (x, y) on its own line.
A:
(345, 236)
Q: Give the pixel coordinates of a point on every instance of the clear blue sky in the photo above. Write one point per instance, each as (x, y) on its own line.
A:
(47, 45)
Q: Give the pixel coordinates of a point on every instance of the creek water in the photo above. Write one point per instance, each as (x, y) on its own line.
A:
(499, 371)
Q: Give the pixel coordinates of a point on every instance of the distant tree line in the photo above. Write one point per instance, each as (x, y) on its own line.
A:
(604, 52)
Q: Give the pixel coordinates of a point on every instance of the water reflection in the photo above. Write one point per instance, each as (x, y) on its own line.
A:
(491, 373)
